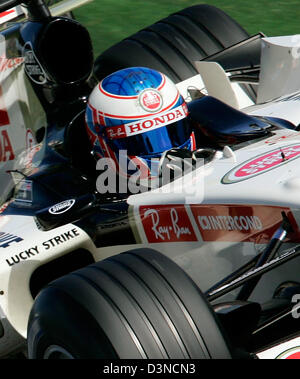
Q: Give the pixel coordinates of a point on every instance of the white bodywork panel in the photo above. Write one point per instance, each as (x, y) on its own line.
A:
(217, 83)
(234, 95)
(286, 107)
(280, 67)
(279, 78)
(287, 350)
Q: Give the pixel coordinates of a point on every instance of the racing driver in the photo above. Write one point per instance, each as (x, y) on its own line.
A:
(133, 116)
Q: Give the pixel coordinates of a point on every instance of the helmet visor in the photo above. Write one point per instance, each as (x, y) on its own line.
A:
(155, 142)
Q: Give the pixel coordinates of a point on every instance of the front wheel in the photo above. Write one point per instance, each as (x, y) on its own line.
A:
(135, 305)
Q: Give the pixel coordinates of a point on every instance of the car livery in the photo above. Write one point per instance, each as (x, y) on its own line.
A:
(221, 241)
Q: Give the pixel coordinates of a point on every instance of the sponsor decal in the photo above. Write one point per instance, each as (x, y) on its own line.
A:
(46, 245)
(239, 223)
(26, 159)
(22, 256)
(33, 68)
(228, 223)
(6, 239)
(150, 100)
(4, 118)
(4, 206)
(293, 353)
(6, 149)
(262, 163)
(62, 238)
(62, 207)
(150, 123)
(165, 223)
(9, 63)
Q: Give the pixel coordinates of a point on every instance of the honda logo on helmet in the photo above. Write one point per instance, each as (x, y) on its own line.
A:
(151, 123)
(151, 100)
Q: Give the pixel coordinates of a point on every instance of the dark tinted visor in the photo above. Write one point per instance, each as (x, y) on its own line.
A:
(154, 142)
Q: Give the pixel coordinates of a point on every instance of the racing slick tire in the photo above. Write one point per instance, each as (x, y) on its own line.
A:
(135, 305)
(173, 44)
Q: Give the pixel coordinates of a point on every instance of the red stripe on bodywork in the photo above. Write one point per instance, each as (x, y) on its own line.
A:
(6, 13)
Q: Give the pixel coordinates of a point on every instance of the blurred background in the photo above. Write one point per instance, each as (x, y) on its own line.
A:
(109, 21)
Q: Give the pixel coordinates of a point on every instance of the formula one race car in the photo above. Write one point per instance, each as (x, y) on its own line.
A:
(205, 266)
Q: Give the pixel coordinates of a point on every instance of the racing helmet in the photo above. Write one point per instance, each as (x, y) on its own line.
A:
(138, 112)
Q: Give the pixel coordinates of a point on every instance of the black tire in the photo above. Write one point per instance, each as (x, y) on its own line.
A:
(134, 305)
(173, 44)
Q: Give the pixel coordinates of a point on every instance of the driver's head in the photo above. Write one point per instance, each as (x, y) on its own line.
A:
(140, 112)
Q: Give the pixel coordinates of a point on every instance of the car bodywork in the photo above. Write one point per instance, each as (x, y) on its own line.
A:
(210, 222)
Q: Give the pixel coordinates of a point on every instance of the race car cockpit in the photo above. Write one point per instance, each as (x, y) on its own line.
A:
(217, 124)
